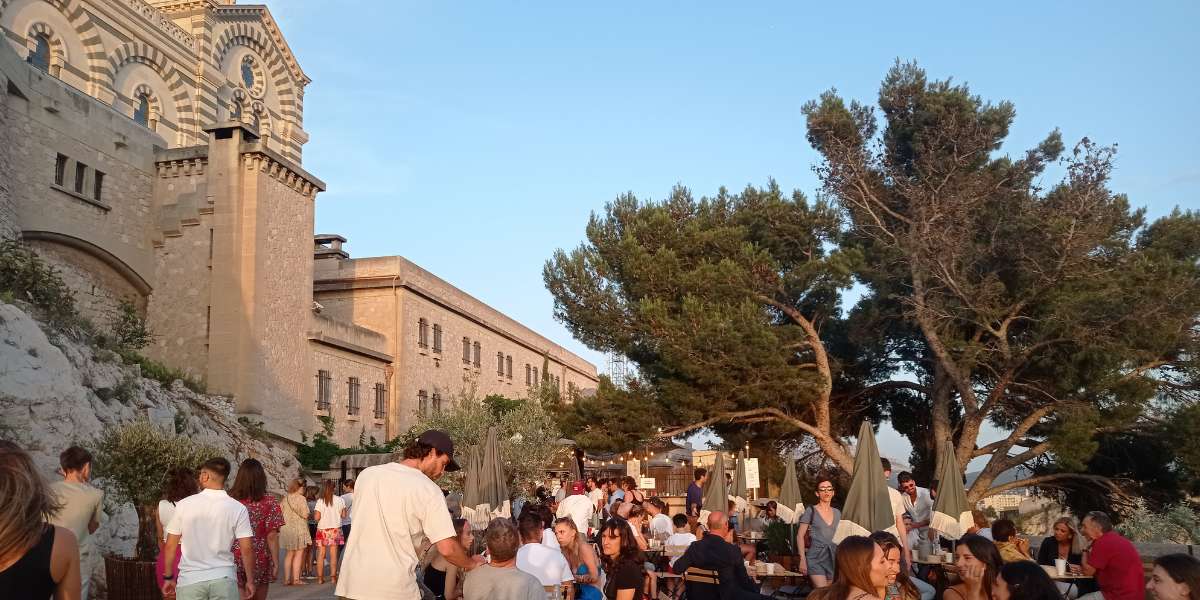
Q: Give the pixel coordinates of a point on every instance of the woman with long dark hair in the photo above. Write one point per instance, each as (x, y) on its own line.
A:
(861, 572)
(250, 488)
(441, 576)
(978, 563)
(37, 560)
(181, 483)
(900, 587)
(1024, 580)
(329, 511)
(1175, 577)
(621, 560)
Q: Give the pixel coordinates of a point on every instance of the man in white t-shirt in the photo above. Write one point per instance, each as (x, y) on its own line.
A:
(549, 566)
(396, 507)
(917, 501)
(897, 508)
(682, 536)
(578, 507)
(660, 524)
(209, 521)
(596, 493)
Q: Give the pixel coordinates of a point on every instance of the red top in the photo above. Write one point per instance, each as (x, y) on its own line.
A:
(1118, 567)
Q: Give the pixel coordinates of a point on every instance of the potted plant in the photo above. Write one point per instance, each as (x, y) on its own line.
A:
(131, 463)
(779, 543)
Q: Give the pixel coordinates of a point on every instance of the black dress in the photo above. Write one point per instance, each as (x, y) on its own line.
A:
(435, 580)
(29, 578)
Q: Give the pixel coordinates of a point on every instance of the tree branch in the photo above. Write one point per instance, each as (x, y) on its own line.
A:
(1048, 481)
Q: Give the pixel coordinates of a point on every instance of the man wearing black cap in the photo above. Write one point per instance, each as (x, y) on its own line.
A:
(395, 506)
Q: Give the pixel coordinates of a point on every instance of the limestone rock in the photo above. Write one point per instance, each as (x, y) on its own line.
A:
(55, 392)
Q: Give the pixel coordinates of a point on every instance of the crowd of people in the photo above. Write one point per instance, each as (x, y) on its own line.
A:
(586, 541)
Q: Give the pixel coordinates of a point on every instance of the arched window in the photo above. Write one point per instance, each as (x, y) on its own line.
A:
(40, 55)
(248, 74)
(141, 114)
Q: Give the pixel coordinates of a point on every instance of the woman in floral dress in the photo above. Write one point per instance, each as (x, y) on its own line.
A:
(250, 488)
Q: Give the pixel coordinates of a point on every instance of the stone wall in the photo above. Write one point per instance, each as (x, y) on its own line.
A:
(99, 290)
(342, 365)
(8, 206)
(55, 394)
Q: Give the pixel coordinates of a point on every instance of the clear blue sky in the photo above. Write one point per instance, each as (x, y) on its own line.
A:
(476, 137)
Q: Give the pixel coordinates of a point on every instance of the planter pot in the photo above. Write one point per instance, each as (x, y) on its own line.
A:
(130, 579)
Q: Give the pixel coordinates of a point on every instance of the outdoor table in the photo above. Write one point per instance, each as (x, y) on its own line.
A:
(759, 572)
(1071, 579)
(939, 565)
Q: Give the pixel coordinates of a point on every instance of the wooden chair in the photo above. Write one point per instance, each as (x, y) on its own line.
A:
(701, 583)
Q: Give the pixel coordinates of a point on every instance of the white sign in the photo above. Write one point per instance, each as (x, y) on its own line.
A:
(752, 473)
(633, 467)
(647, 483)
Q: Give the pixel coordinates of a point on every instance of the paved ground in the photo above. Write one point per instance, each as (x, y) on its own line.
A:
(304, 592)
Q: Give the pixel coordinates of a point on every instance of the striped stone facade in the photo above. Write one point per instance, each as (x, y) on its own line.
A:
(185, 57)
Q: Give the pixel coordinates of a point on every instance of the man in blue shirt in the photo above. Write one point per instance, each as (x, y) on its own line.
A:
(616, 495)
(695, 494)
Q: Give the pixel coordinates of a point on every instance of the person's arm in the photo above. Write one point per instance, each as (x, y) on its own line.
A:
(247, 547)
(1090, 562)
(158, 532)
(451, 583)
(454, 553)
(800, 550)
(94, 524)
(273, 546)
(902, 533)
(589, 558)
(64, 566)
(172, 545)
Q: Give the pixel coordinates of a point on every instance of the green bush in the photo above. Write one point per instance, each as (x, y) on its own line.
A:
(25, 276)
(132, 461)
(129, 329)
(159, 372)
(1174, 524)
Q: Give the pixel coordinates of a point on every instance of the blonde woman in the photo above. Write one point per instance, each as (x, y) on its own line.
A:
(294, 535)
(580, 556)
(37, 560)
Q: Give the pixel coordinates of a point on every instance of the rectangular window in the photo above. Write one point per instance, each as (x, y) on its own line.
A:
(437, 403)
(98, 186)
(476, 361)
(528, 378)
(352, 396)
(466, 351)
(423, 403)
(60, 169)
(380, 401)
(508, 366)
(423, 333)
(500, 364)
(324, 390)
(437, 338)
(535, 376)
(80, 176)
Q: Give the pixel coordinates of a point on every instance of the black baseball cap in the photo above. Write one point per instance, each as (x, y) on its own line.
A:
(438, 440)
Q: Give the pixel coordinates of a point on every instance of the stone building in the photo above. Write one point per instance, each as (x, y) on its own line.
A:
(151, 151)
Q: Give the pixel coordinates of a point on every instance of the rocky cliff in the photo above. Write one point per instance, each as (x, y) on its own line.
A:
(55, 392)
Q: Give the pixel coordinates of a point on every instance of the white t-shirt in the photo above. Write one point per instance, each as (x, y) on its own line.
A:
(550, 540)
(679, 539)
(166, 510)
(396, 508)
(207, 523)
(348, 500)
(331, 514)
(897, 502)
(661, 525)
(597, 495)
(549, 566)
(579, 508)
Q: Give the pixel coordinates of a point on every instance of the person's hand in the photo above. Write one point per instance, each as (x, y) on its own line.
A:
(476, 561)
(802, 566)
(972, 575)
(1074, 569)
(168, 588)
(248, 591)
(1023, 545)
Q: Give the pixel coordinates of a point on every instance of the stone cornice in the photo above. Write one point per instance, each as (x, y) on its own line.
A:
(181, 167)
(257, 157)
(155, 16)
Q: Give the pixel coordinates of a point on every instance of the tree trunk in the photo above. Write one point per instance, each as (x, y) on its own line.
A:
(147, 542)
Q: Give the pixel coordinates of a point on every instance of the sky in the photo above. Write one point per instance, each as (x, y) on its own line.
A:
(475, 138)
